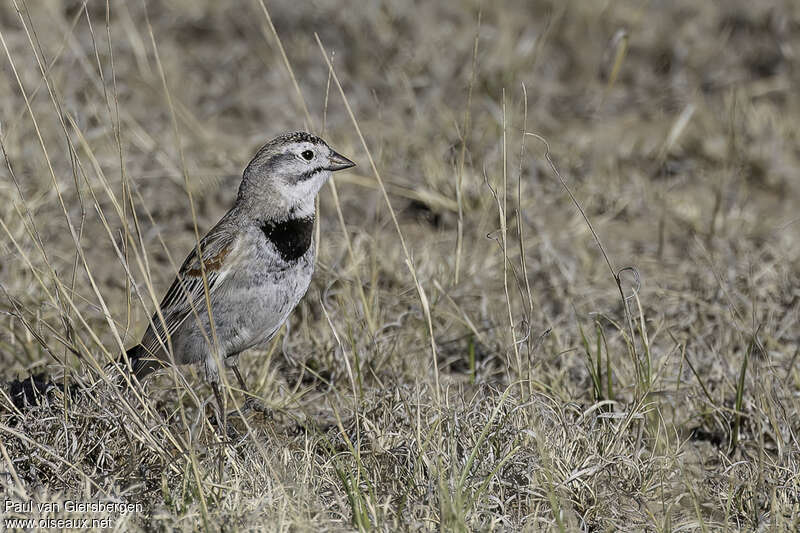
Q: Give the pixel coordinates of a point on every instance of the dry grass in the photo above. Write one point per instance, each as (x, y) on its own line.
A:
(464, 359)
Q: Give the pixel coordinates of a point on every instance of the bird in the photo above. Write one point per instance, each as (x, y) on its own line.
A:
(242, 280)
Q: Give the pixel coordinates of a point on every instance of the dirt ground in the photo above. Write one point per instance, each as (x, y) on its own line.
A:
(560, 291)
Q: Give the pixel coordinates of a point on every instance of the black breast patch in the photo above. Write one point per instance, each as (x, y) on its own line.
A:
(292, 237)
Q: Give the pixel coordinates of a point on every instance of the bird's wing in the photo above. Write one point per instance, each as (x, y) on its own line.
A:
(186, 297)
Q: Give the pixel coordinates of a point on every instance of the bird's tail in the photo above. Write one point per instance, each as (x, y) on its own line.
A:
(137, 362)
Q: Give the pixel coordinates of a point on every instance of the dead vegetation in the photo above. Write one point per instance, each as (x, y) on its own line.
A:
(468, 357)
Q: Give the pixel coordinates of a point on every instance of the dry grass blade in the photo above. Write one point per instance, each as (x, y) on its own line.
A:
(408, 259)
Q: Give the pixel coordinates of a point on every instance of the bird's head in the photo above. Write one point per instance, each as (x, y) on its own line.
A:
(288, 172)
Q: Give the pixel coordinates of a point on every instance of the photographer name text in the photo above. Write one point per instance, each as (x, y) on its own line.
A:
(70, 506)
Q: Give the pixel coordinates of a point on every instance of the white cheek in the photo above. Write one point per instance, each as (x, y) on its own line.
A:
(306, 190)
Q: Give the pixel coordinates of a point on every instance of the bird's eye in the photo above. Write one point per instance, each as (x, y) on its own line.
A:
(308, 155)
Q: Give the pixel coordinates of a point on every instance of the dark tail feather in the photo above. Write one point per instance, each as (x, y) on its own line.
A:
(140, 364)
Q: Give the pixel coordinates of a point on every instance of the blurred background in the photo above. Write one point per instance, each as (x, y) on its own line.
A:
(674, 123)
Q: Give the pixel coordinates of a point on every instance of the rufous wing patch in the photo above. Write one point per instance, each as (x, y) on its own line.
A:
(211, 264)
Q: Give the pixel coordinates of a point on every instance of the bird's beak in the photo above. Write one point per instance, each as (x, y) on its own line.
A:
(337, 161)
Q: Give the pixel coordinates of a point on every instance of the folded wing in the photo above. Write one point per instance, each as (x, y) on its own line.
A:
(186, 297)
